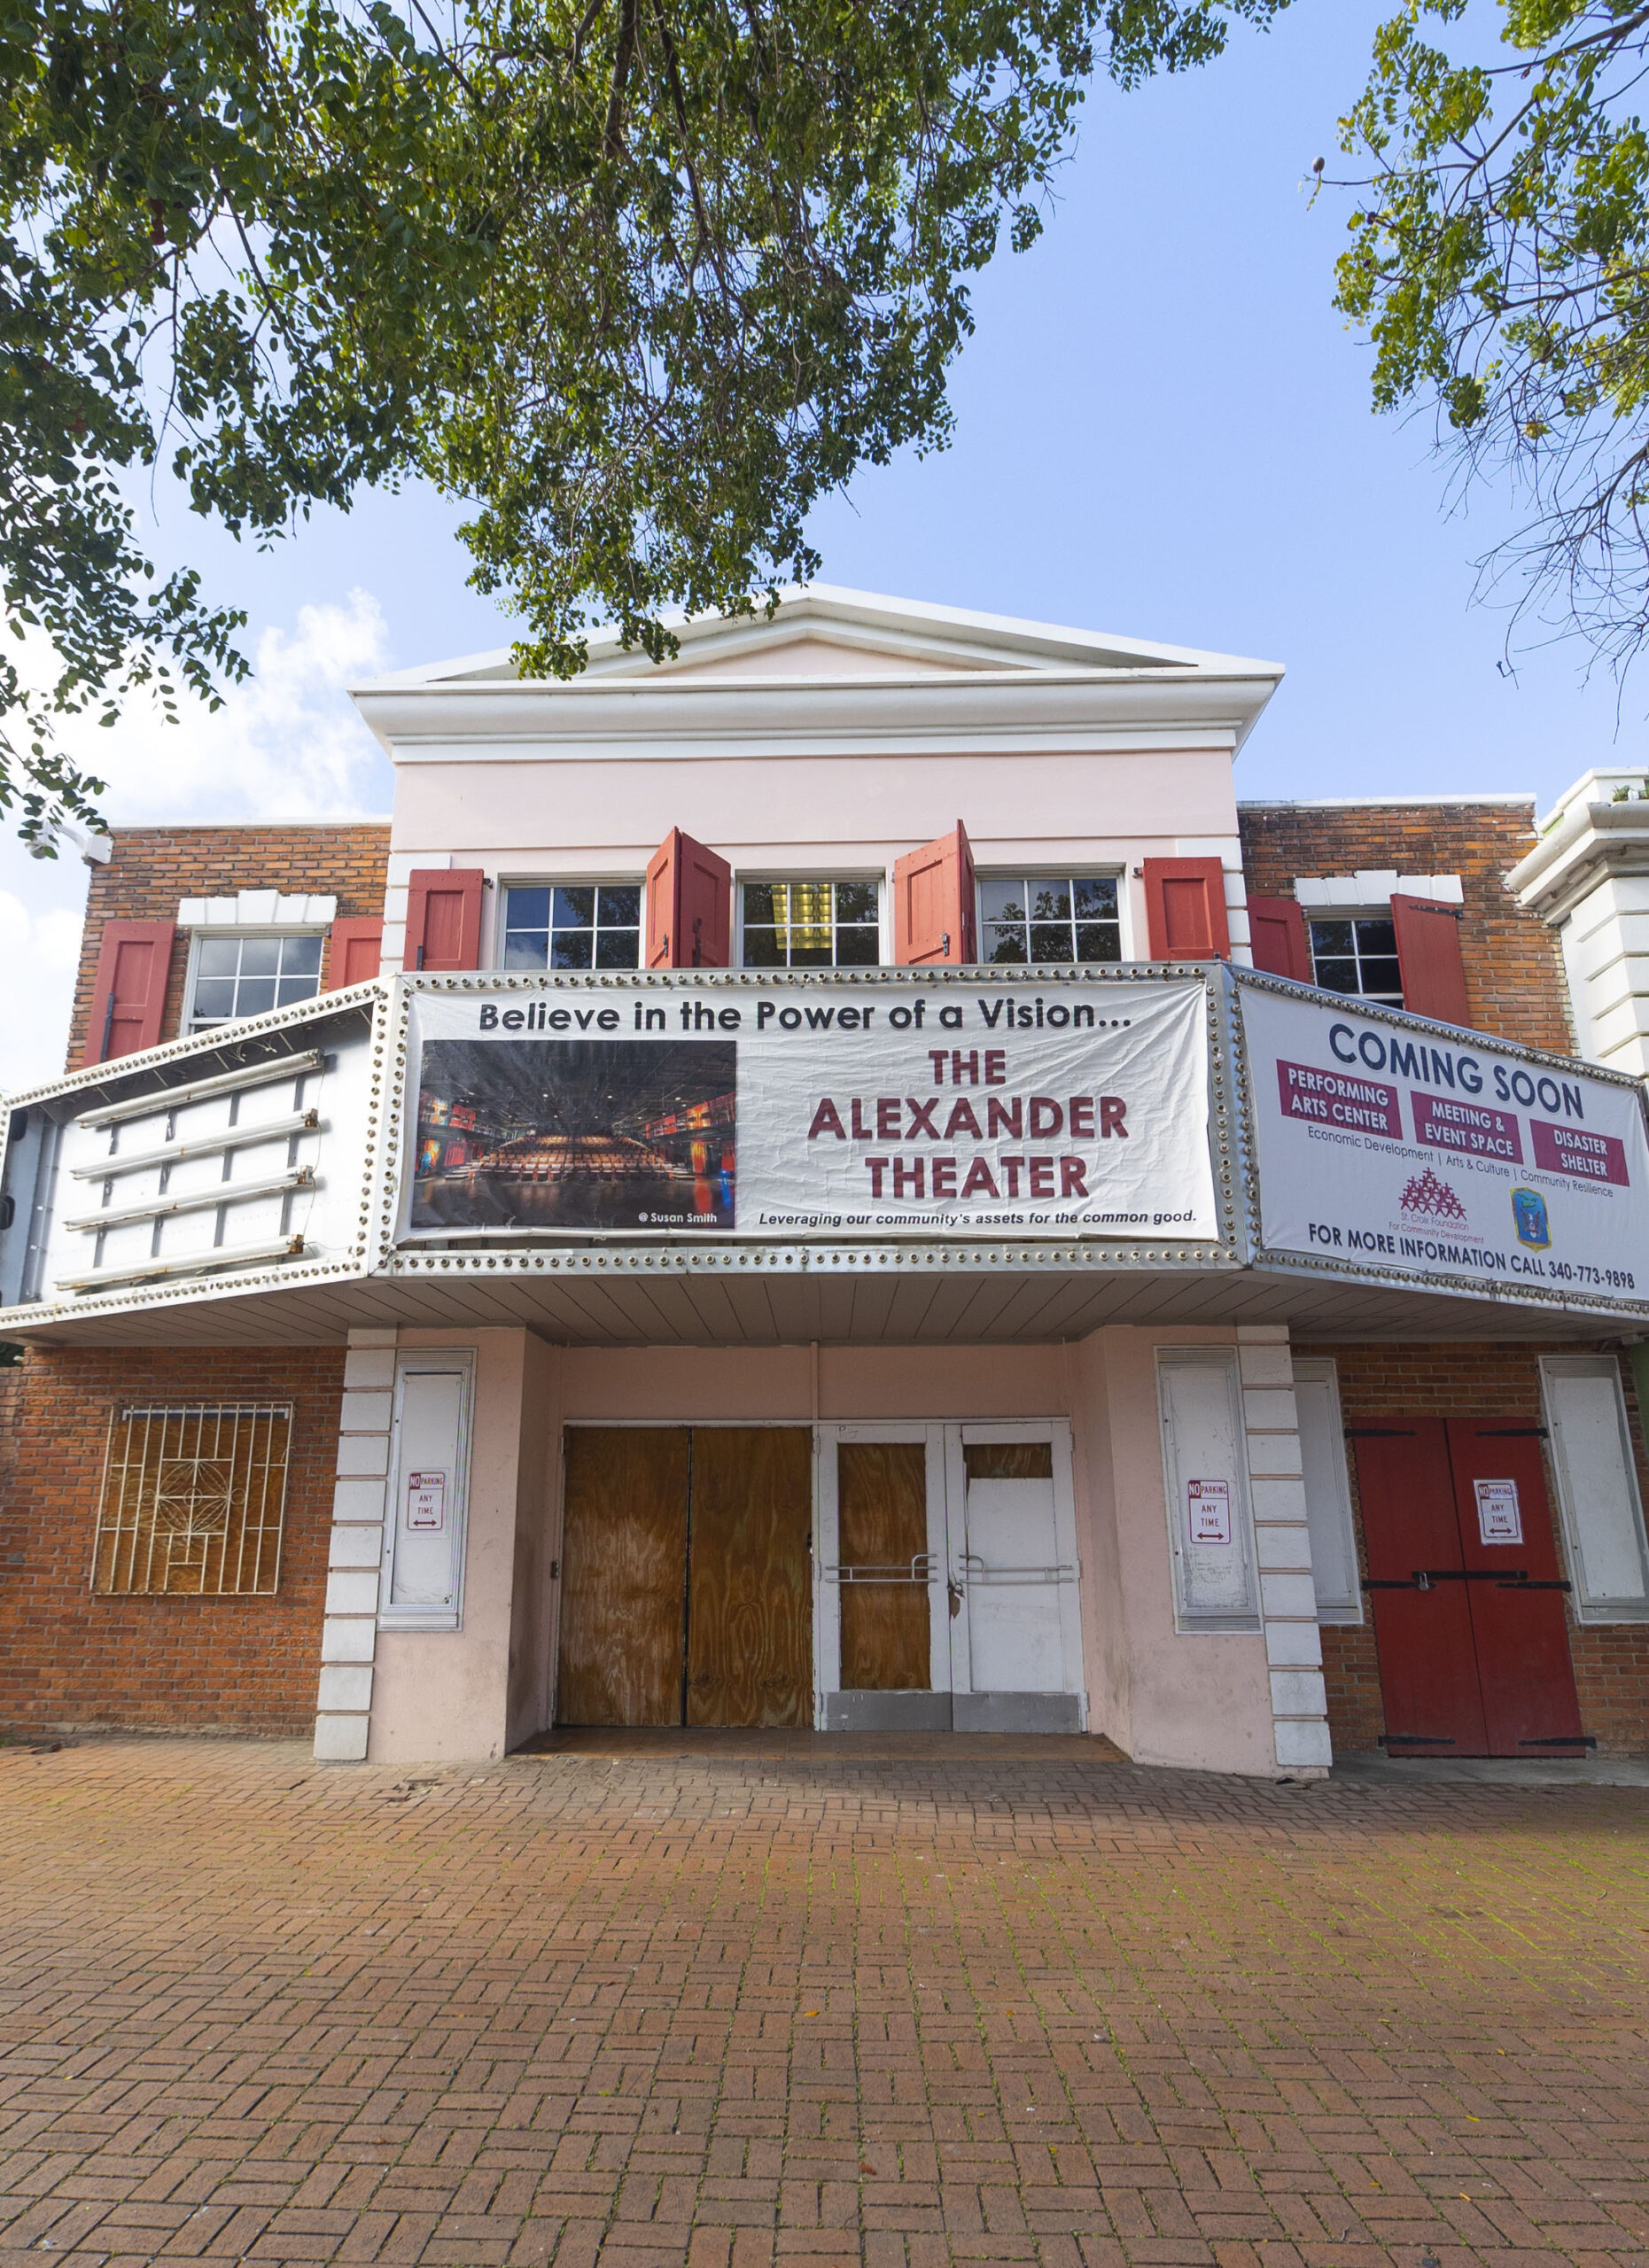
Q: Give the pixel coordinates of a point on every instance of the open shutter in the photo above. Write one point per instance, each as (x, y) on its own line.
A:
(444, 917)
(1278, 939)
(933, 904)
(128, 999)
(689, 906)
(1185, 901)
(352, 946)
(1428, 952)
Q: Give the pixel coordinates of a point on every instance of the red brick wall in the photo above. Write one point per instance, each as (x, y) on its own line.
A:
(1611, 1659)
(1513, 973)
(69, 1659)
(153, 867)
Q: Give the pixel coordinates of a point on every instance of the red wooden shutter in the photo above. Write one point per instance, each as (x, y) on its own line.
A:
(1184, 903)
(689, 906)
(443, 918)
(933, 904)
(128, 998)
(1428, 952)
(352, 946)
(1277, 936)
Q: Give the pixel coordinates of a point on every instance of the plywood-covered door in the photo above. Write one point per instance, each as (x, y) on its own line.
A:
(624, 1576)
(749, 1591)
(881, 1546)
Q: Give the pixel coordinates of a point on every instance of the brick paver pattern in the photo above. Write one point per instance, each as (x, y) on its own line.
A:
(667, 2008)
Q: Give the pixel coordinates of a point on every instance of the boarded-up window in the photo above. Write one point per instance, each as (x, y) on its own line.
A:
(1598, 1499)
(193, 1500)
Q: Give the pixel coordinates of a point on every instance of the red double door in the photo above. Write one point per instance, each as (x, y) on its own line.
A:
(1467, 1591)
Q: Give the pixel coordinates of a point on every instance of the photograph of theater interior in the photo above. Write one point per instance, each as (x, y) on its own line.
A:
(847, 1181)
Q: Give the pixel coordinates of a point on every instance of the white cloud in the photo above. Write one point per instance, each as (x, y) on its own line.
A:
(287, 744)
(43, 949)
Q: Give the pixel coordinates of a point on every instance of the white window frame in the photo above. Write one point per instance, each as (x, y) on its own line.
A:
(1587, 1609)
(1193, 1621)
(504, 883)
(1323, 1369)
(409, 1362)
(879, 875)
(236, 931)
(1347, 913)
(1088, 870)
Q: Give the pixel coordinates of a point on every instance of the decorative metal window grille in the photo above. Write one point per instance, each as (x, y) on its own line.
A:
(194, 1497)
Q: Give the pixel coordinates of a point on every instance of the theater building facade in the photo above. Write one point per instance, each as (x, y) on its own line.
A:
(845, 1182)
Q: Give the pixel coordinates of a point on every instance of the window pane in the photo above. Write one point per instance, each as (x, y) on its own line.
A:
(855, 902)
(1099, 941)
(571, 948)
(1050, 902)
(618, 906)
(253, 995)
(1331, 938)
(1382, 976)
(1376, 937)
(1096, 897)
(1050, 941)
(812, 955)
(758, 907)
(762, 948)
(526, 909)
(1337, 976)
(617, 948)
(301, 956)
(1002, 901)
(259, 956)
(857, 949)
(1004, 944)
(526, 949)
(218, 955)
(295, 988)
(214, 996)
(575, 909)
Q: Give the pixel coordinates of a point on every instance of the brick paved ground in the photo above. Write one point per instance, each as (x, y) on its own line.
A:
(664, 2009)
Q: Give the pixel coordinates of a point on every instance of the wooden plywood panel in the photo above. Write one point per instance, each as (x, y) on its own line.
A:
(1009, 1460)
(750, 1623)
(882, 1516)
(624, 1576)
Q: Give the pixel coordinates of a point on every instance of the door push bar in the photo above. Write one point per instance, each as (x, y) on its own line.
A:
(977, 1570)
(919, 1570)
(1506, 1579)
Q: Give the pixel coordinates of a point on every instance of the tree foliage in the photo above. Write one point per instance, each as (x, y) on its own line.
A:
(1499, 256)
(638, 280)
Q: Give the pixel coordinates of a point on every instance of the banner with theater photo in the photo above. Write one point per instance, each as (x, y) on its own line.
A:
(761, 1106)
(1383, 1141)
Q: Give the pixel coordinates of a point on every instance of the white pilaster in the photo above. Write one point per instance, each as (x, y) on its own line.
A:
(1294, 1651)
(349, 1634)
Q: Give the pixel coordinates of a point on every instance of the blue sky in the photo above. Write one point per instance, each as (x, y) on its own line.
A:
(1164, 429)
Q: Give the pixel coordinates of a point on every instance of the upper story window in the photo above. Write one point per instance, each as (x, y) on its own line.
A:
(812, 925)
(1027, 920)
(1358, 955)
(577, 925)
(247, 976)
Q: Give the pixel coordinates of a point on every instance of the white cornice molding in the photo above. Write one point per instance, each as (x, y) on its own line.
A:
(619, 715)
(1589, 842)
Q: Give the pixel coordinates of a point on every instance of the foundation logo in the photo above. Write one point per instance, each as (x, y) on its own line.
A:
(1426, 1198)
(1529, 1211)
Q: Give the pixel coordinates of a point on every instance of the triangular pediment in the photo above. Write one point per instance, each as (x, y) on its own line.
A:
(820, 634)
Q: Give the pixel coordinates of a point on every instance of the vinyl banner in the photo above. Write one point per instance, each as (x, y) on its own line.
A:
(1397, 1144)
(772, 1108)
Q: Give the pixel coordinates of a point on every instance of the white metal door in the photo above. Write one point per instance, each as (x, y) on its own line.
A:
(1015, 1627)
(429, 1476)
